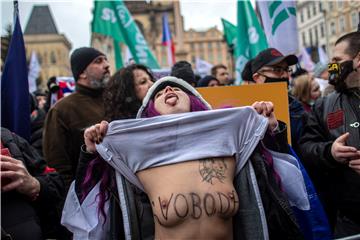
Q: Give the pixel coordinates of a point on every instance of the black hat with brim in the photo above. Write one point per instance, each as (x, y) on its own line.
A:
(270, 57)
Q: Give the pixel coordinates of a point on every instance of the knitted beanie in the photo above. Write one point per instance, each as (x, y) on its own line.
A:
(81, 58)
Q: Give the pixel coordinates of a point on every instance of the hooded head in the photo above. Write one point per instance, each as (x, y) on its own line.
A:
(171, 95)
(183, 70)
(208, 81)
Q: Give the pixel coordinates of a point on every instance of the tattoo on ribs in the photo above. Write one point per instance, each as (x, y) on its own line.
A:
(212, 168)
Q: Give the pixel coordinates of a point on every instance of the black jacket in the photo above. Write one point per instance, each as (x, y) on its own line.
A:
(22, 217)
(331, 117)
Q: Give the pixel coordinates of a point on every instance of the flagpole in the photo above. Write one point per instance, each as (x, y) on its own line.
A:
(16, 11)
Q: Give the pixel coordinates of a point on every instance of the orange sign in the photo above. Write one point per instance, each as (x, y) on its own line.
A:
(237, 96)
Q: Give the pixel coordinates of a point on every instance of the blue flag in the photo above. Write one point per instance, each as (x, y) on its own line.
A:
(15, 107)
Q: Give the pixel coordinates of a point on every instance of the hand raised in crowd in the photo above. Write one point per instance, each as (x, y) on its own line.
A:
(16, 177)
(267, 110)
(94, 135)
(341, 152)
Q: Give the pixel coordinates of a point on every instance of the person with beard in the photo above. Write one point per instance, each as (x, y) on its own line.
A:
(270, 66)
(68, 118)
(330, 144)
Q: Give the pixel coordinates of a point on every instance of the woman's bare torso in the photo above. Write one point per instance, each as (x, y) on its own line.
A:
(192, 200)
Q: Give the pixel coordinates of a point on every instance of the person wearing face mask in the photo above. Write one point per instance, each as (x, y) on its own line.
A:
(270, 66)
(306, 90)
(330, 144)
(68, 118)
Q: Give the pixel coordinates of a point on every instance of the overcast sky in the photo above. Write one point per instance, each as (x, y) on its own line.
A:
(73, 17)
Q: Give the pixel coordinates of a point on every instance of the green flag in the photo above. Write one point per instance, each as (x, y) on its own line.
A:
(112, 18)
(250, 38)
(105, 23)
(230, 33)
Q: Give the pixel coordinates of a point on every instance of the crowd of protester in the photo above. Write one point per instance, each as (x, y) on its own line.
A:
(66, 174)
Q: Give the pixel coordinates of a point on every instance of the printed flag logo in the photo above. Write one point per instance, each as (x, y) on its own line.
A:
(281, 16)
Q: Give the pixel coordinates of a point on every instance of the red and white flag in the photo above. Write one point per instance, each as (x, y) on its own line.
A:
(167, 41)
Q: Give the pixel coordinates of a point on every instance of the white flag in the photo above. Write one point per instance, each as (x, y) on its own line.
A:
(279, 21)
(202, 67)
(323, 58)
(34, 71)
(306, 60)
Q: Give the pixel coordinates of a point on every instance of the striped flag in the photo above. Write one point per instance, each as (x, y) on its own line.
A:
(66, 87)
(167, 40)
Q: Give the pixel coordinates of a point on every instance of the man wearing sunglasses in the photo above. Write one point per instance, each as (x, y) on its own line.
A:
(330, 145)
(271, 66)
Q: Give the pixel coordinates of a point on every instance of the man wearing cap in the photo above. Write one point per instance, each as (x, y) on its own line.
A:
(67, 119)
(271, 66)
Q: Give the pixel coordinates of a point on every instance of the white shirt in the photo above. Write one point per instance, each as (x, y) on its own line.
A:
(136, 144)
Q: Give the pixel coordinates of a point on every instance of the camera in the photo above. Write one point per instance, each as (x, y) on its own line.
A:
(52, 85)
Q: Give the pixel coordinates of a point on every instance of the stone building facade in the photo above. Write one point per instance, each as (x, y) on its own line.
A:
(51, 47)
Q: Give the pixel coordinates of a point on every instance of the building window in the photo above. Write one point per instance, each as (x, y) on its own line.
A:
(301, 17)
(201, 46)
(320, 7)
(311, 37)
(331, 6)
(322, 30)
(45, 58)
(52, 58)
(218, 46)
(354, 20)
(192, 46)
(314, 8)
(340, 4)
(209, 46)
(308, 12)
(193, 59)
(342, 24)
(316, 35)
(39, 58)
(211, 56)
(219, 58)
(303, 38)
(332, 28)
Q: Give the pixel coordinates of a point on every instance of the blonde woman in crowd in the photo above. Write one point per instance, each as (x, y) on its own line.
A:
(306, 90)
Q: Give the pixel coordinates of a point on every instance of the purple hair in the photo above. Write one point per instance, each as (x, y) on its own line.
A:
(195, 105)
(98, 165)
